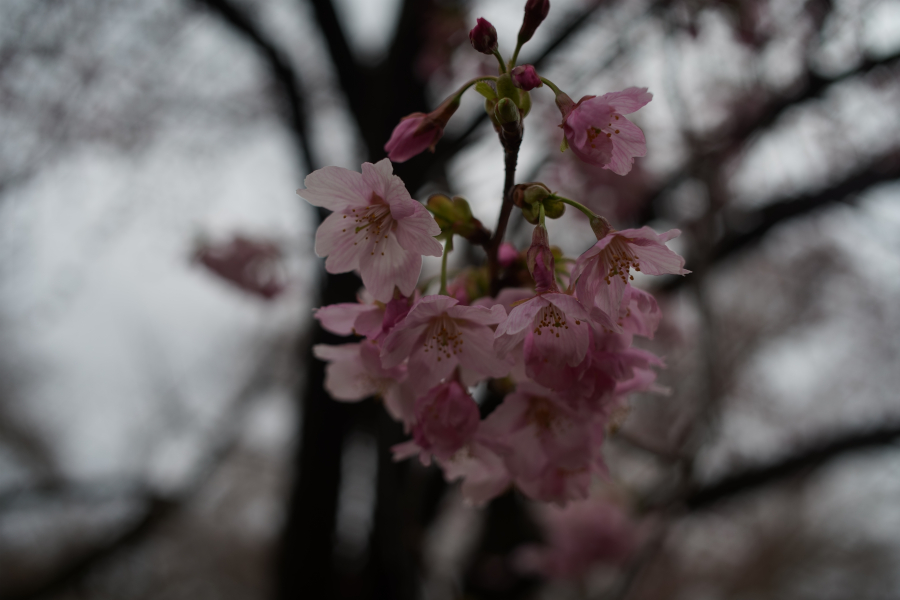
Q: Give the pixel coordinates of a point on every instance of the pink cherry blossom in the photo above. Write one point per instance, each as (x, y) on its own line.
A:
(440, 334)
(603, 271)
(446, 418)
(255, 266)
(599, 134)
(579, 536)
(354, 372)
(482, 470)
(554, 329)
(376, 227)
(550, 449)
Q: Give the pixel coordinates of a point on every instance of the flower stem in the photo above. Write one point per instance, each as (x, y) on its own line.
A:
(515, 56)
(577, 205)
(500, 60)
(511, 156)
(552, 86)
(448, 248)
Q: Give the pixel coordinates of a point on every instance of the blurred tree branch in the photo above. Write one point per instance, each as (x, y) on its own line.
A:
(281, 68)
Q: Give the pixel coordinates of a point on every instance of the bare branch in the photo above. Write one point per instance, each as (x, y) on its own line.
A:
(799, 463)
(281, 69)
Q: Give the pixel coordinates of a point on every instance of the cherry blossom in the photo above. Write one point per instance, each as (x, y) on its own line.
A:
(599, 134)
(550, 449)
(375, 227)
(440, 334)
(446, 418)
(354, 372)
(579, 536)
(603, 271)
(554, 328)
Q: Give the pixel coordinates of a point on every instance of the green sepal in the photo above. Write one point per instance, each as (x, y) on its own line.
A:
(485, 89)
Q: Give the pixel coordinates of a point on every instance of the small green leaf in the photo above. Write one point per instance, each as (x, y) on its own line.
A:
(483, 88)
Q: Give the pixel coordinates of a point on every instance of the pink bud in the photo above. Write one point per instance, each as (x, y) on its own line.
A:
(483, 37)
(526, 78)
(540, 261)
(418, 132)
(507, 254)
(535, 12)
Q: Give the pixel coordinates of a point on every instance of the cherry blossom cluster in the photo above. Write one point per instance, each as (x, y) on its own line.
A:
(548, 338)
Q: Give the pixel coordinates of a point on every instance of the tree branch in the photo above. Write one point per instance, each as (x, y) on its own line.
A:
(799, 463)
(281, 70)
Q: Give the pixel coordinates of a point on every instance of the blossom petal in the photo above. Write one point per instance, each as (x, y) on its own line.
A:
(388, 265)
(628, 100)
(399, 343)
(479, 315)
(341, 318)
(478, 352)
(335, 188)
(337, 243)
(628, 142)
(521, 317)
(381, 180)
(416, 230)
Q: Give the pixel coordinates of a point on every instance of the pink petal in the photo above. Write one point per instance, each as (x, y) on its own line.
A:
(399, 343)
(627, 144)
(341, 318)
(521, 317)
(336, 189)
(478, 352)
(628, 100)
(389, 265)
(479, 315)
(416, 231)
(336, 241)
(427, 308)
(381, 180)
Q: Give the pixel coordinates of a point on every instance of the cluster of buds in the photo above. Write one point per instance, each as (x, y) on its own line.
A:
(551, 335)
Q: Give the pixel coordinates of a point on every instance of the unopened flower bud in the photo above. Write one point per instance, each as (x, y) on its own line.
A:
(483, 37)
(454, 216)
(540, 261)
(506, 112)
(535, 13)
(554, 208)
(419, 132)
(526, 78)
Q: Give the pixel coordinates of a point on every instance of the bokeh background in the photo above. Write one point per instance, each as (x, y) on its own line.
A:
(163, 429)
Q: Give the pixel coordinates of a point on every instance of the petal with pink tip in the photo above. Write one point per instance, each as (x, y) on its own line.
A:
(341, 318)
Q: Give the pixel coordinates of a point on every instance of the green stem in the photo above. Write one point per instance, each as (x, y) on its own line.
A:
(448, 248)
(577, 205)
(458, 95)
(552, 86)
(542, 215)
(515, 57)
(500, 60)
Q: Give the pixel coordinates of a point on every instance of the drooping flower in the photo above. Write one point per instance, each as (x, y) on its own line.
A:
(554, 328)
(597, 131)
(550, 449)
(440, 334)
(579, 536)
(604, 270)
(376, 227)
(446, 419)
(354, 372)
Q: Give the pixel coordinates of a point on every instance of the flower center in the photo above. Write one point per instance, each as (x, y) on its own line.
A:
(551, 318)
(373, 221)
(443, 337)
(620, 258)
